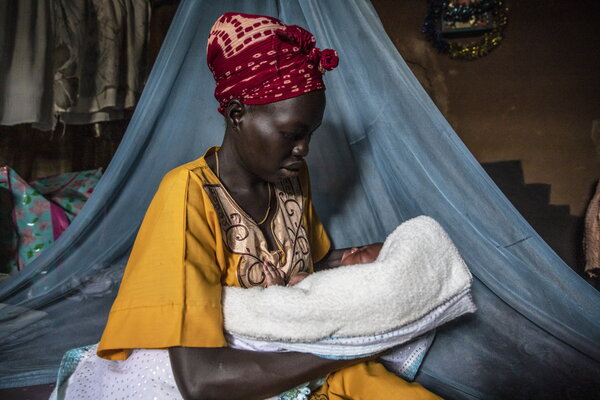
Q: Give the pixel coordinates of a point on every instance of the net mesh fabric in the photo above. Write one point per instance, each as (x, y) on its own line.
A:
(537, 329)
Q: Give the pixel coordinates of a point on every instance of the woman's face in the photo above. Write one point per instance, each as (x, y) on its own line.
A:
(272, 139)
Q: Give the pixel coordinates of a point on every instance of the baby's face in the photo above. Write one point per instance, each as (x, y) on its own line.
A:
(362, 255)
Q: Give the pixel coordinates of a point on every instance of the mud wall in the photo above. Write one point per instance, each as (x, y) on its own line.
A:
(532, 99)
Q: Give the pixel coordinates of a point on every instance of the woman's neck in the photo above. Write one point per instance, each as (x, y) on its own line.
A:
(232, 172)
(251, 193)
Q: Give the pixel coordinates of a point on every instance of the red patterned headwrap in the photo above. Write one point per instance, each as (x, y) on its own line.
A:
(258, 60)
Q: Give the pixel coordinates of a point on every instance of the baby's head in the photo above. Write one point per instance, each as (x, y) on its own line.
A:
(361, 255)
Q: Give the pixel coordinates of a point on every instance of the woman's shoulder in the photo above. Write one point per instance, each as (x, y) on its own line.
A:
(197, 169)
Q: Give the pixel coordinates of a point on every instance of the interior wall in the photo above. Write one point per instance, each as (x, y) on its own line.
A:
(533, 99)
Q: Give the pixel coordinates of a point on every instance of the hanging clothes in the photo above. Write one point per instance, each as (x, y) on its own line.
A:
(100, 53)
(26, 63)
(80, 61)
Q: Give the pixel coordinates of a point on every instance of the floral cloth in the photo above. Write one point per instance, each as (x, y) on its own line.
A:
(38, 212)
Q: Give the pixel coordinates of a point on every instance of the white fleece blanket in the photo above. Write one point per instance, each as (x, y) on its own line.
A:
(418, 282)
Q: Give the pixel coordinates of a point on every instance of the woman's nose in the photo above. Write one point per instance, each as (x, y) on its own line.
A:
(301, 147)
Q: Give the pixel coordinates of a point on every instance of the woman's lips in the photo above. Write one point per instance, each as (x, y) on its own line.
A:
(295, 166)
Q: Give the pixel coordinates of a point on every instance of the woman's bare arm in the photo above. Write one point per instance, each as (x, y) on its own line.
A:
(227, 373)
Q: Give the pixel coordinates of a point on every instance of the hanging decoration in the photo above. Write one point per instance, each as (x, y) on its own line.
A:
(453, 18)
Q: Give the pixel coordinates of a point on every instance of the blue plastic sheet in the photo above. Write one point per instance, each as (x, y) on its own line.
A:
(383, 154)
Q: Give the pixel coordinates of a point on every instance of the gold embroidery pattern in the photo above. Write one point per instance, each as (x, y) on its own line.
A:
(288, 224)
(318, 397)
(243, 236)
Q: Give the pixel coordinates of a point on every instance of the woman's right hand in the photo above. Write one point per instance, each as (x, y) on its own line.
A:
(273, 275)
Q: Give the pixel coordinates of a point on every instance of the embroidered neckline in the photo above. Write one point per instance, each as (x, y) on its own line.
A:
(242, 235)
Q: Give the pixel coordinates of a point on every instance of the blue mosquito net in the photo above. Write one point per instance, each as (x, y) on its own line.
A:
(384, 154)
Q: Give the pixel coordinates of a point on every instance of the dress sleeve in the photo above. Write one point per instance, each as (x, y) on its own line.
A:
(170, 294)
(318, 239)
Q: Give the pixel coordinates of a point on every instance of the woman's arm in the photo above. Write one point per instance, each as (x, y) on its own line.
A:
(227, 373)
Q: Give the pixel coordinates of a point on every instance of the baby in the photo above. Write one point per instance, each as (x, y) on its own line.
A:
(355, 255)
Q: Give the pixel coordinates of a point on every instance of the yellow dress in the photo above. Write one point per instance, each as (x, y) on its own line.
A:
(194, 240)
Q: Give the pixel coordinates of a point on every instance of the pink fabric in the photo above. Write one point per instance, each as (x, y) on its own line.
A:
(60, 222)
(258, 60)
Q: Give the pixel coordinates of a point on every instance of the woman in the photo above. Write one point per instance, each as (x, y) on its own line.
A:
(241, 215)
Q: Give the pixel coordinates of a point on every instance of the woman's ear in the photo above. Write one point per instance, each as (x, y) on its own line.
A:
(235, 112)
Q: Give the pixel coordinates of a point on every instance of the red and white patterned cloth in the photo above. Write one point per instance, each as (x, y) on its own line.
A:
(258, 60)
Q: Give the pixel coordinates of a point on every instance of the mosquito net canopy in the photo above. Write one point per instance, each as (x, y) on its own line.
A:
(384, 154)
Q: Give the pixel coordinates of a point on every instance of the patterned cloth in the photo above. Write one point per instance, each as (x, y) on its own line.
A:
(258, 60)
(36, 213)
(591, 242)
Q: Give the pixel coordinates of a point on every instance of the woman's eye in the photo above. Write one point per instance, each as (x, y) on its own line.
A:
(295, 136)
(289, 135)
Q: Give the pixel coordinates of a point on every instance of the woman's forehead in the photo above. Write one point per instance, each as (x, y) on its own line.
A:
(304, 111)
(291, 121)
